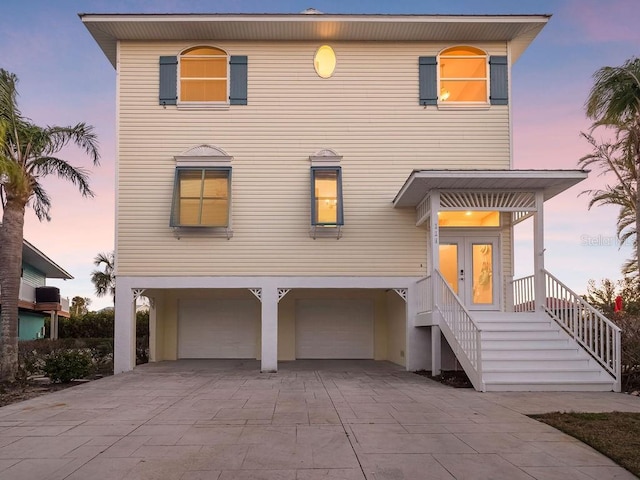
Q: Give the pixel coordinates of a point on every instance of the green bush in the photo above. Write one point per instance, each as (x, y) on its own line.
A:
(33, 353)
(630, 338)
(66, 365)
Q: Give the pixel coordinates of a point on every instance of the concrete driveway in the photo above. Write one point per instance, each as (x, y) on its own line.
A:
(216, 419)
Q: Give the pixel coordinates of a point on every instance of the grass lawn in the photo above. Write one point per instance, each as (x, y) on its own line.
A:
(615, 434)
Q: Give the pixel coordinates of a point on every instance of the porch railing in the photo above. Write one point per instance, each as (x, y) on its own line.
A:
(462, 333)
(524, 298)
(597, 335)
(425, 295)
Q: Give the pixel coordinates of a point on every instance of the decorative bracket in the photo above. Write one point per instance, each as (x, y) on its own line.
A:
(402, 292)
(257, 292)
(282, 292)
(138, 292)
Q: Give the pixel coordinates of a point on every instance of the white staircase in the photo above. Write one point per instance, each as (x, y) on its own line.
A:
(531, 352)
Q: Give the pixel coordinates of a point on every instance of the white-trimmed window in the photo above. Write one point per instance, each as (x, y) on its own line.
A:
(204, 75)
(326, 197)
(463, 74)
(201, 197)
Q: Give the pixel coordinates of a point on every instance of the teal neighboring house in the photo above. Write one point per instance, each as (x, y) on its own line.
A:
(37, 300)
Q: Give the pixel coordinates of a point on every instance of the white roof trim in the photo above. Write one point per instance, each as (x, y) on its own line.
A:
(108, 29)
(421, 182)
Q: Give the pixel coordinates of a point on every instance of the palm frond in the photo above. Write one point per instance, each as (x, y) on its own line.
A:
(44, 166)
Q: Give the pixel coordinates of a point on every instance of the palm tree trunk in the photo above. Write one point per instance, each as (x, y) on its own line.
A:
(10, 266)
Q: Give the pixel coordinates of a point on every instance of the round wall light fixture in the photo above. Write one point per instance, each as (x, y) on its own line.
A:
(325, 61)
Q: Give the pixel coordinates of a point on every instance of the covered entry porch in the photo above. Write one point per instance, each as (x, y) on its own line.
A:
(507, 334)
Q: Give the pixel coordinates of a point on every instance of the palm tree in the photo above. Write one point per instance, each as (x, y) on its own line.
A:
(103, 280)
(614, 102)
(28, 155)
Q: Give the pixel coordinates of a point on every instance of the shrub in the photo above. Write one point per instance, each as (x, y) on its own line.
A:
(630, 338)
(66, 365)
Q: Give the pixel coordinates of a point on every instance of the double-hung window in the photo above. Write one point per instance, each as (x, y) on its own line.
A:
(203, 75)
(463, 76)
(201, 197)
(326, 196)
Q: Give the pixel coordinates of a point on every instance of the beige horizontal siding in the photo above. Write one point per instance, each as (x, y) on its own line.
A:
(367, 112)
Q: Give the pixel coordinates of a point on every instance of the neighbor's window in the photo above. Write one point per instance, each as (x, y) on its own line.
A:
(204, 73)
(463, 75)
(326, 196)
(201, 197)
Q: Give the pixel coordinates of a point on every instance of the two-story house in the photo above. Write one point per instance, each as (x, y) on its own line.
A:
(337, 186)
(37, 301)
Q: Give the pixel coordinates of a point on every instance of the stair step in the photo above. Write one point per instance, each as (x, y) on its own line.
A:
(529, 364)
(538, 375)
(603, 385)
(517, 344)
(521, 334)
(512, 354)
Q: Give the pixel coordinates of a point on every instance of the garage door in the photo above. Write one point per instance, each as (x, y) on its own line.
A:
(218, 328)
(334, 328)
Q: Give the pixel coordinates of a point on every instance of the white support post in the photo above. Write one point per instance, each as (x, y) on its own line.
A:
(269, 357)
(436, 350)
(53, 325)
(153, 334)
(124, 358)
(538, 252)
(434, 232)
(434, 247)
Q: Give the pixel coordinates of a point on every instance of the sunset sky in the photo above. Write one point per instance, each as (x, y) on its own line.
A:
(65, 79)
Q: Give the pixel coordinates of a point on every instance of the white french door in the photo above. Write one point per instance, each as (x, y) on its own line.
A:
(471, 267)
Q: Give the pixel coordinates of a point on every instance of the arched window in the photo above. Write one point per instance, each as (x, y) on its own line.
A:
(204, 75)
(463, 74)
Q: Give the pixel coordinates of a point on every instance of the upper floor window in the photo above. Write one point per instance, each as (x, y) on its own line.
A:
(207, 78)
(201, 197)
(463, 73)
(326, 196)
(204, 75)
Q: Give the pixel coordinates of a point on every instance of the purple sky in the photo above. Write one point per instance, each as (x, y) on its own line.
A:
(65, 78)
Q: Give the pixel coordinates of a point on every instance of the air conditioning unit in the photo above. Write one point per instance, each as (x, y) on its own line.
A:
(47, 295)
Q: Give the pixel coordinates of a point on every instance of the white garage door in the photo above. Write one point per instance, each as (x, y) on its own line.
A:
(218, 328)
(334, 328)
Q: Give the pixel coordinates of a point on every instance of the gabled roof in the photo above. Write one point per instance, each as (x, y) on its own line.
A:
(108, 29)
(34, 257)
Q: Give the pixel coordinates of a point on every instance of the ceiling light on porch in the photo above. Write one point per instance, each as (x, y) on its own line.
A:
(467, 213)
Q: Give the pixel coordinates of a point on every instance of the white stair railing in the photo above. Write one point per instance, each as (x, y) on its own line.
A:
(425, 295)
(598, 335)
(462, 333)
(524, 294)
(594, 332)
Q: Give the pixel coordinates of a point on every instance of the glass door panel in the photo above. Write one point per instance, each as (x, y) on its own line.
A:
(482, 274)
(449, 264)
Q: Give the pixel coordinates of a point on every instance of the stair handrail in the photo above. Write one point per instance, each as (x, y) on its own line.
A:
(597, 335)
(461, 331)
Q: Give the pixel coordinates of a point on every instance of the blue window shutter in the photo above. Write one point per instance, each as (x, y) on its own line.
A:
(168, 80)
(499, 94)
(428, 80)
(238, 79)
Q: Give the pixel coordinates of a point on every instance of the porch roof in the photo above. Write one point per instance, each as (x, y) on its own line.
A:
(421, 182)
